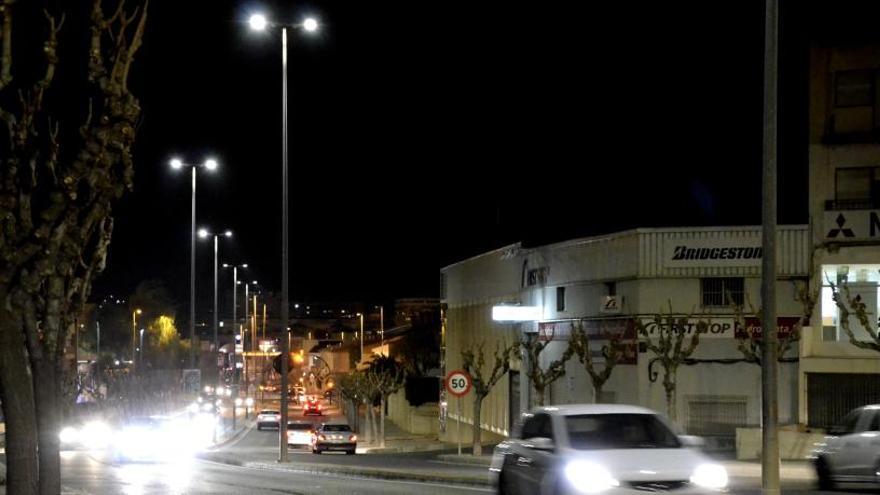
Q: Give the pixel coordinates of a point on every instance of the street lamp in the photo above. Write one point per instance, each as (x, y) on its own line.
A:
(259, 22)
(210, 164)
(361, 316)
(134, 331)
(205, 233)
(235, 268)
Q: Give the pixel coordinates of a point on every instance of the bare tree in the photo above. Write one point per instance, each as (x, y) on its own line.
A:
(751, 345)
(668, 345)
(60, 175)
(848, 305)
(473, 361)
(542, 378)
(387, 376)
(612, 353)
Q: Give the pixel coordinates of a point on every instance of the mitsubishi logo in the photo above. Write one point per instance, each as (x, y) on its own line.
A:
(841, 221)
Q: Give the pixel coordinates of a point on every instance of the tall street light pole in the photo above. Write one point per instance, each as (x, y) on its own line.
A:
(769, 404)
(258, 22)
(134, 331)
(235, 315)
(204, 233)
(211, 165)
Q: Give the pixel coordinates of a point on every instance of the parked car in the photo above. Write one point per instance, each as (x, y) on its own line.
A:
(851, 451)
(299, 433)
(602, 448)
(268, 418)
(338, 437)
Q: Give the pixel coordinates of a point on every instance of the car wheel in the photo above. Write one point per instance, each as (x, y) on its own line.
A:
(316, 451)
(259, 428)
(823, 474)
(349, 452)
(501, 489)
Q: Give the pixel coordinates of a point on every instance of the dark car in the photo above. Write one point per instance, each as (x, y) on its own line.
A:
(336, 437)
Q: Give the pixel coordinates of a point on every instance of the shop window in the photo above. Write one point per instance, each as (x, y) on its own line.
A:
(854, 88)
(560, 299)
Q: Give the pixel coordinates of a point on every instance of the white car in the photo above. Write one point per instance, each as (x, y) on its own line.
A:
(268, 418)
(851, 451)
(299, 434)
(602, 448)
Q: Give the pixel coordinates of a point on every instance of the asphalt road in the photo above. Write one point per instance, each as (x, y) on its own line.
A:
(90, 473)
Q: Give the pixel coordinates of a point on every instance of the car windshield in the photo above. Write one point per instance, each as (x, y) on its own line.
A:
(336, 428)
(299, 426)
(619, 431)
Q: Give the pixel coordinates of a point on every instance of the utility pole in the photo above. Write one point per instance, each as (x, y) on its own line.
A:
(769, 407)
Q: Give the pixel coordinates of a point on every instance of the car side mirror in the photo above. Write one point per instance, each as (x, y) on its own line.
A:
(540, 443)
(692, 441)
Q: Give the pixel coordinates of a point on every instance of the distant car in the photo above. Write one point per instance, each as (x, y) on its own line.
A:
(851, 451)
(312, 406)
(336, 437)
(299, 433)
(268, 418)
(602, 448)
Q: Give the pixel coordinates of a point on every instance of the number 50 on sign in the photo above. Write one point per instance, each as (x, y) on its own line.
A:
(458, 383)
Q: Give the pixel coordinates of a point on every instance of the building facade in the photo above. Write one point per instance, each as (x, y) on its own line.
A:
(844, 160)
(607, 283)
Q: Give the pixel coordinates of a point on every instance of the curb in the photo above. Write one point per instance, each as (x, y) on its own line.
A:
(470, 460)
(238, 435)
(351, 471)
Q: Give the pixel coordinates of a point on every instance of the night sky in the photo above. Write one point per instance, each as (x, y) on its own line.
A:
(426, 132)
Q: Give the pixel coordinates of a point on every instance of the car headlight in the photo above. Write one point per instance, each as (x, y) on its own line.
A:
(96, 435)
(587, 477)
(207, 407)
(710, 476)
(68, 435)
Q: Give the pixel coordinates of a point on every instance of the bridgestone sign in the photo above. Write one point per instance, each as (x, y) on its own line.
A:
(712, 252)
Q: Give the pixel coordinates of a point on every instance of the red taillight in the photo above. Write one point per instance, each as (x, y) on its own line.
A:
(353, 438)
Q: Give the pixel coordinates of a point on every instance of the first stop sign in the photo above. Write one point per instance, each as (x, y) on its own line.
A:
(458, 383)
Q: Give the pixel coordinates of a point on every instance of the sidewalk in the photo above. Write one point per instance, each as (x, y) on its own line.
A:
(400, 441)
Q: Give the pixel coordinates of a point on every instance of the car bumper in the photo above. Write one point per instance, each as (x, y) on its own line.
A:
(335, 446)
(267, 424)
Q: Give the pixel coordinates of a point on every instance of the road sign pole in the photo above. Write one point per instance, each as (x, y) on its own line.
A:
(458, 428)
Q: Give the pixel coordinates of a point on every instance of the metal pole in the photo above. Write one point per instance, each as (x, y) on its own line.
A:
(362, 337)
(769, 409)
(141, 351)
(244, 340)
(192, 277)
(382, 327)
(216, 342)
(98, 346)
(235, 322)
(133, 333)
(458, 426)
(285, 348)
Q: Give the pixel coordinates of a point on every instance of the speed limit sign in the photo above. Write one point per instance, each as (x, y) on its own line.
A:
(458, 383)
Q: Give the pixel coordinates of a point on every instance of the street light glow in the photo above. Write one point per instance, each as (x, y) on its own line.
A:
(310, 25)
(203, 233)
(228, 233)
(211, 164)
(176, 163)
(258, 22)
(138, 311)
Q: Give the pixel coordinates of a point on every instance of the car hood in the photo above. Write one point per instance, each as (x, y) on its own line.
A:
(642, 464)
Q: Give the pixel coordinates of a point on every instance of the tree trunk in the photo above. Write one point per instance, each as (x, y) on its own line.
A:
(477, 432)
(382, 422)
(368, 425)
(374, 423)
(48, 424)
(597, 392)
(19, 409)
(669, 386)
(539, 396)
